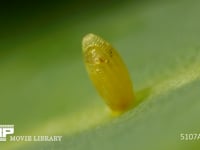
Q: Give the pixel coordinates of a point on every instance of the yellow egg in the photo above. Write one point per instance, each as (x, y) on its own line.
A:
(108, 73)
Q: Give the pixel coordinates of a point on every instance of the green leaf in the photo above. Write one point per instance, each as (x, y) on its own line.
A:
(45, 90)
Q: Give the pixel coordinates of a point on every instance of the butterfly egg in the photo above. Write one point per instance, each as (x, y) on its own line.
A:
(108, 73)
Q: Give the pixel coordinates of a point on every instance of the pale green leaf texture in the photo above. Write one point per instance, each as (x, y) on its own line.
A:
(45, 90)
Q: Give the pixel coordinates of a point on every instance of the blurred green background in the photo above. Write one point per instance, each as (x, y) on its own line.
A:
(45, 90)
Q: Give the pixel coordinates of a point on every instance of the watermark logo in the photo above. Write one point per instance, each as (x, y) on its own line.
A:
(6, 130)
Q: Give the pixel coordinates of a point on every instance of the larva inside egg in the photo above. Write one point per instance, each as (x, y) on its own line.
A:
(108, 73)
